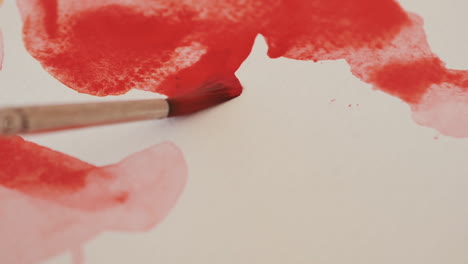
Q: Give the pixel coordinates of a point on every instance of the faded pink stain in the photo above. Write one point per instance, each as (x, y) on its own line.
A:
(51, 203)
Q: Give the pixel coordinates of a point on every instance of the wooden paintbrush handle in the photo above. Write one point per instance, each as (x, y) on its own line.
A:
(18, 120)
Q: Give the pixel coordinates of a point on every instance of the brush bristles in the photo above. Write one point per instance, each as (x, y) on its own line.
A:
(210, 94)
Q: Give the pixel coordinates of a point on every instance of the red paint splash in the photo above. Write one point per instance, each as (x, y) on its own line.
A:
(384, 45)
(109, 47)
(51, 202)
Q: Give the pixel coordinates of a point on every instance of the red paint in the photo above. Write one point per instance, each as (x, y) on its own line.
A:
(384, 45)
(110, 47)
(324, 29)
(410, 80)
(20, 159)
(51, 202)
(365, 33)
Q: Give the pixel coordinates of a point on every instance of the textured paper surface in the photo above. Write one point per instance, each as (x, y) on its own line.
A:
(285, 177)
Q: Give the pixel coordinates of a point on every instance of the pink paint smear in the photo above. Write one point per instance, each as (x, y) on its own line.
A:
(51, 203)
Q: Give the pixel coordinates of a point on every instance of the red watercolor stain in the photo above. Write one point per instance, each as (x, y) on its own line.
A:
(51, 202)
(384, 45)
(410, 80)
(19, 161)
(320, 29)
(110, 47)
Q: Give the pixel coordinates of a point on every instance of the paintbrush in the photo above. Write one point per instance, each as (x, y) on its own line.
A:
(45, 118)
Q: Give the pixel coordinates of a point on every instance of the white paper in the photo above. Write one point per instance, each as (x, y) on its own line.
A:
(288, 172)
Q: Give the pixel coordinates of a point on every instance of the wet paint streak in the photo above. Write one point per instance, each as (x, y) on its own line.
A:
(51, 203)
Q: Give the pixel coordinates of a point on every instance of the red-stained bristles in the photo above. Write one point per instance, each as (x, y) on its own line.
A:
(210, 94)
(44, 118)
